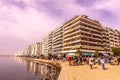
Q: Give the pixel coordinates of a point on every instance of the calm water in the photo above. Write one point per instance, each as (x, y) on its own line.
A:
(19, 69)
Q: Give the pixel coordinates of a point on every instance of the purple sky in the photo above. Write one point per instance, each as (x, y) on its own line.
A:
(23, 22)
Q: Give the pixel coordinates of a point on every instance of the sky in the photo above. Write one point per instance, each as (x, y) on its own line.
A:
(25, 22)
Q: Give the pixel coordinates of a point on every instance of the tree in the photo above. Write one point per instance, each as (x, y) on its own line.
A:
(97, 52)
(116, 51)
(78, 52)
(49, 56)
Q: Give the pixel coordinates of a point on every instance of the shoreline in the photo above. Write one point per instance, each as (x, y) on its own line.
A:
(83, 72)
(49, 62)
(61, 76)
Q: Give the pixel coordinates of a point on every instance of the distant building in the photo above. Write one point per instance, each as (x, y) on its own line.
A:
(106, 41)
(45, 46)
(38, 49)
(57, 39)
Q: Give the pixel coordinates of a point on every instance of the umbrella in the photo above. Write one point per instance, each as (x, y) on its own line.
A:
(71, 54)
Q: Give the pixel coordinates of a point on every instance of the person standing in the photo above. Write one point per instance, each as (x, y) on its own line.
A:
(69, 60)
(118, 60)
(115, 60)
(103, 63)
(91, 62)
(98, 60)
(87, 59)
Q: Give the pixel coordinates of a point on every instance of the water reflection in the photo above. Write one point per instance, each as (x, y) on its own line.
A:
(41, 71)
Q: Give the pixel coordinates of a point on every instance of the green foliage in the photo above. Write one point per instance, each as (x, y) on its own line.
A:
(97, 52)
(50, 55)
(116, 51)
(78, 52)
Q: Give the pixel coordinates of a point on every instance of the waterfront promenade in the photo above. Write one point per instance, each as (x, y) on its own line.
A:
(83, 72)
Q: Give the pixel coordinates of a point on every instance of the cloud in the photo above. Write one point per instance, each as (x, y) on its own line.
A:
(28, 25)
(27, 21)
(86, 3)
(14, 3)
(110, 11)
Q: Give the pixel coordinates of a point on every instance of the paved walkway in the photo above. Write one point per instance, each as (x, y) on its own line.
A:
(83, 72)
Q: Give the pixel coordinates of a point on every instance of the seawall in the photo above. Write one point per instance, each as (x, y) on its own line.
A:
(63, 73)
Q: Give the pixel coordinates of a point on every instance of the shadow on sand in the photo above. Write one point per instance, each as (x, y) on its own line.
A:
(106, 68)
(94, 67)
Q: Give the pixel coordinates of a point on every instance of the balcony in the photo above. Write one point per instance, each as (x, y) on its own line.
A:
(56, 40)
(91, 47)
(89, 20)
(71, 30)
(91, 33)
(89, 28)
(57, 33)
(85, 41)
(91, 38)
(58, 43)
(71, 22)
(76, 32)
(55, 48)
(57, 37)
(75, 47)
(66, 47)
(76, 41)
(97, 27)
(72, 26)
(74, 37)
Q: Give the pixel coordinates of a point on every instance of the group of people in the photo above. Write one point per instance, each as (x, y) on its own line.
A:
(100, 61)
(91, 60)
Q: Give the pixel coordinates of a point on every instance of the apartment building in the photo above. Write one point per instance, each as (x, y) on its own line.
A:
(20, 53)
(34, 50)
(113, 38)
(50, 43)
(119, 37)
(25, 52)
(47, 44)
(82, 33)
(53, 42)
(29, 50)
(38, 49)
(32, 47)
(106, 41)
(57, 38)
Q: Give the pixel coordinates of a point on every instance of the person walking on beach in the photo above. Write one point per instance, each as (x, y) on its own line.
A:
(91, 62)
(103, 63)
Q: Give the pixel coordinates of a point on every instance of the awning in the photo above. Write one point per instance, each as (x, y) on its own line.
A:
(88, 53)
(69, 51)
